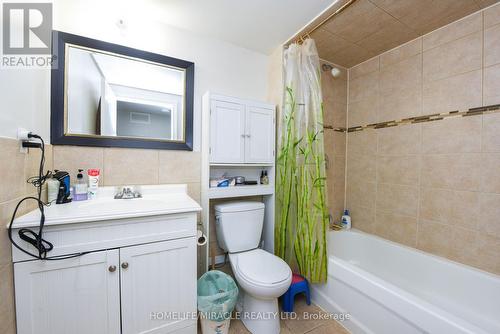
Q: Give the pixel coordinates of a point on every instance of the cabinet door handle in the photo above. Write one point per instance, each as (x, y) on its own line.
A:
(248, 136)
(112, 269)
(243, 136)
(124, 265)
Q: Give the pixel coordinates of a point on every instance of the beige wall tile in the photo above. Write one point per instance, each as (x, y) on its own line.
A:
(404, 75)
(358, 21)
(491, 84)
(492, 45)
(363, 142)
(335, 114)
(179, 166)
(12, 170)
(453, 31)
(398, 228)
(446, 172)
(403, 104)
(492, 16)
(363, 112)
(456, 57)
(362, 218)
(464, 246)
(489, 218)
(490, 171)
(453, 135)
(360, 193)
(338, 169)
(394, 33)
(7, 307)
(363, 87)
(434, 238)
(399, 140)
(398, 169)
(397, 199)
(130, 166)
(72, 158)
(487, 258)
(456, 171)
(338, 142)
(456, 208)
(491, 133)
(458, 92)
(351, 55)
(362, 167)
(32, 165)
(369, 66)
(402, 52)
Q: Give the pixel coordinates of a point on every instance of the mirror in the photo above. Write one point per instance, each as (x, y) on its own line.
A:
(117, 96)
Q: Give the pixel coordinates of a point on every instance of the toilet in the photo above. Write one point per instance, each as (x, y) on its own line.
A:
(262, 276)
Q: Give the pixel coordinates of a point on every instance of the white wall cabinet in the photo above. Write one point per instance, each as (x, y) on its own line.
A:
(241, 132)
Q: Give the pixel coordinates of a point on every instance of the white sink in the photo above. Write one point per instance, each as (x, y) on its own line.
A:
(156, 200)
(136, 204)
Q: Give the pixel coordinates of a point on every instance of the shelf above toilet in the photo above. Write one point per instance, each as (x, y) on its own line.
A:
(240, 191)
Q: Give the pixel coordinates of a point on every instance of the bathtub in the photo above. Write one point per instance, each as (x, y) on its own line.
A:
(391, 289)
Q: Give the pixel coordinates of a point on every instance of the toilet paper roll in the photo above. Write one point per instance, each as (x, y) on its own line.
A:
(201, 238)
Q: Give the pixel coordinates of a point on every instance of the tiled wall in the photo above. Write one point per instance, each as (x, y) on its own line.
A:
(335, 114)
(434, 186)
(15, 168)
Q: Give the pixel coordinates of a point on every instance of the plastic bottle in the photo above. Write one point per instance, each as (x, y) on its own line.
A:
(52, 190)
(346, 220)
(80, 188)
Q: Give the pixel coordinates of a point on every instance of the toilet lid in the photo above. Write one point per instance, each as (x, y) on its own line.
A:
(262, 267)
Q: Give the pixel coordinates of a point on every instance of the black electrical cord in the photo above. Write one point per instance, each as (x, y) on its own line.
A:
(35, 239)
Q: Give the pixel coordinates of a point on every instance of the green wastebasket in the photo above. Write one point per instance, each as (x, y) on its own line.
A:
(217, 295)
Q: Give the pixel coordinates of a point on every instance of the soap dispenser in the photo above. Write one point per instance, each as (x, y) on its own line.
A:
(80, 187)
(346, 220)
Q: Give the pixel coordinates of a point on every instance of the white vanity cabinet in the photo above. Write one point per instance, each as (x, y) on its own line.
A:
(139, 275)
(241, 131)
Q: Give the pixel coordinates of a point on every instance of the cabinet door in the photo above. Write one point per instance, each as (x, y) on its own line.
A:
(227, 132)
(259, 135)
(158, 287)
(78, 296)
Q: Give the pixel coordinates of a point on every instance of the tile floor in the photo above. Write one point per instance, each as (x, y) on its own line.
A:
(299, 325)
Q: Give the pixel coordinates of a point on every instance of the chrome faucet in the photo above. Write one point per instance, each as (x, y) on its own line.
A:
(127, 193)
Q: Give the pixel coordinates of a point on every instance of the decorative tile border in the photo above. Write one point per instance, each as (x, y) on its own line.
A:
(422, 119)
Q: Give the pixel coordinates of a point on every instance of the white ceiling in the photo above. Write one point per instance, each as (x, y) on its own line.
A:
(259, 25)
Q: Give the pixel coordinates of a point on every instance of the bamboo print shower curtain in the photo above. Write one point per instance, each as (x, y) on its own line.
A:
(302, 215)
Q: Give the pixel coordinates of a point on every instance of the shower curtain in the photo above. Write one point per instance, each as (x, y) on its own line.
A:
(302, 213)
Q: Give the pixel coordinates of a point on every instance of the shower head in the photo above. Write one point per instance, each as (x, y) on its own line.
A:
(333, 70)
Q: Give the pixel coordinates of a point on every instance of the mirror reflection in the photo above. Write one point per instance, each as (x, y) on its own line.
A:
(115, 96)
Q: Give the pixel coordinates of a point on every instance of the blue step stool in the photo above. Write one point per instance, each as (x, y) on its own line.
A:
(299, 285)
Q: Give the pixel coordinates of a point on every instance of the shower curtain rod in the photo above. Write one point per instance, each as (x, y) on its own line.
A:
(301, 36)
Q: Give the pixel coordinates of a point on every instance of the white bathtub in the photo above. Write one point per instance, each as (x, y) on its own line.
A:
(391, 289)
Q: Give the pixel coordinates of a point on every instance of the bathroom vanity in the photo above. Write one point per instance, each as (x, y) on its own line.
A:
(138, 274)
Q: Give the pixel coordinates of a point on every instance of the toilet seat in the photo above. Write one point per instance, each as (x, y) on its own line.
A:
(261, 268)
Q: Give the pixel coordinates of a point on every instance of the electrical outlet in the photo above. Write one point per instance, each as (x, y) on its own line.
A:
(22, 135)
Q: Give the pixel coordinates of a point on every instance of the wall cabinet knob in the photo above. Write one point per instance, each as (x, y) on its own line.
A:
(125, 265)
(112, 269)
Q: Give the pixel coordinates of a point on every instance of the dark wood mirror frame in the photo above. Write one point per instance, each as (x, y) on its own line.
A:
(58, 136)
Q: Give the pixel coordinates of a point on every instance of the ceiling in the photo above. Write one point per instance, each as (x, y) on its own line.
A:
(259, 25)
(369, 27)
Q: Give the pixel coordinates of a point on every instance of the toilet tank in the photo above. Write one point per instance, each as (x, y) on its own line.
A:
(239, 225)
